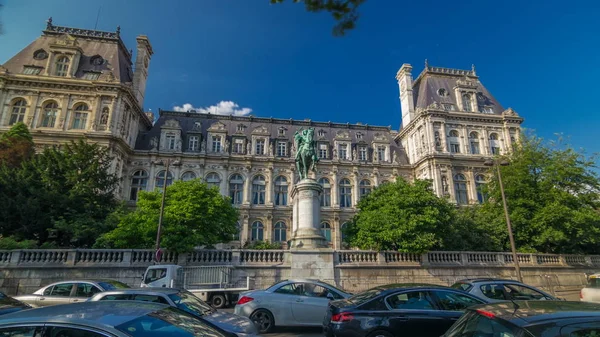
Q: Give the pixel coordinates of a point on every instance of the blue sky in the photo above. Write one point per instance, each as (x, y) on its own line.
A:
(539, 57)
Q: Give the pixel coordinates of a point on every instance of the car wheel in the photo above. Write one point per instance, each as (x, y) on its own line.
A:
(264, 320)
(380, 333)
(218, 301)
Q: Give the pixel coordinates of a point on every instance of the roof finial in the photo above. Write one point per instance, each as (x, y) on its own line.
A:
(49, 23)
(473, 69)
(426, 64)
(118, 30)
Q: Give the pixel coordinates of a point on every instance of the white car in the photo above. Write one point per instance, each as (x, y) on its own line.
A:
(299, 302)
(591, 293)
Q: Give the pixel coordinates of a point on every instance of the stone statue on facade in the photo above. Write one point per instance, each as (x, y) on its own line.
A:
(203, 145)
(270, 149)
(395, 157)
(306, 152)
(154, 143)
(249, 148)
(354, 155)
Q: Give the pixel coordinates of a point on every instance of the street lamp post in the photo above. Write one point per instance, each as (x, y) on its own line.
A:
(162, 211)
(508, 225)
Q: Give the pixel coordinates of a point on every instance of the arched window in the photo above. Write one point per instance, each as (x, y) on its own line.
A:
(18, 109)
(479, 183)
(213, 180)
(345, 193)
(280, 232)
(326, 231)
(238, 229)
(188, 175)
(62, 66)
(49, 114)
(326, 195)
(160, 179)
(453, 141)
(281, 191)
(474, 142)
(236, 189)
(466, 102)
(460, 189)
(365, 187)
(80, 116)
(139, 182)
(494, 145)
(344, 234)
(258, 190)
(257, 231)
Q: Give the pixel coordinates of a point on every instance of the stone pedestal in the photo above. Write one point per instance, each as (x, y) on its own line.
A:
(307, 216)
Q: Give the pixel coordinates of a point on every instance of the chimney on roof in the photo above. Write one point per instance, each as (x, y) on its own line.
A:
(142, 61)
(405, 83)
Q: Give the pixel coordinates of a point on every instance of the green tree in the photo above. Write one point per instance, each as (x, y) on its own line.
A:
(194, 215)
(469, 232)
(16, 146)
(62, 195)
(553, 200)
(401, 216)
(343, 11)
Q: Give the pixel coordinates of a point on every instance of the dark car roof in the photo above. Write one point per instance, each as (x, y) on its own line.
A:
(531, 312)
(477, 280)
(149, 290)
(105, 313)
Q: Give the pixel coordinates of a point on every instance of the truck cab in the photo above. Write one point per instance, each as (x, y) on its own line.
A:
(591, 293)
(163, 276)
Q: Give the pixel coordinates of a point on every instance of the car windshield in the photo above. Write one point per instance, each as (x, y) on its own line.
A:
(112, 285)
(168, 322)
(462, 286)
(190, 303)
(364, 297)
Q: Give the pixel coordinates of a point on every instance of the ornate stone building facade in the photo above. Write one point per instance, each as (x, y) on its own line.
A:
(72, 83)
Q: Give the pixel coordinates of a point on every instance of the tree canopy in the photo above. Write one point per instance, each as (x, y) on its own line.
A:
(194, 215)
(16, 146)
(343, 11)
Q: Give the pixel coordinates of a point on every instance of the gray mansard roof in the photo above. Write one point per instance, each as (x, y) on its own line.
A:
(189, 122)
(432, 79)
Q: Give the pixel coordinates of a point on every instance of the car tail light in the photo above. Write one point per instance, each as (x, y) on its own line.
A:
(244, 300)
(486, 313)
(581, 294)
(341, 317)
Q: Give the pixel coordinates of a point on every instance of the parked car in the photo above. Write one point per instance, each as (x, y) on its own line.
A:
(301, 302)
(69, 292)
(498, 290)
(398, 310)
(9, 304)
(183, 300)
(529, 319)
(107, 318)
(591, 292)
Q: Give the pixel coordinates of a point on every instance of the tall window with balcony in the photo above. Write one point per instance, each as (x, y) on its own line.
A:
(62, 66)
(326, 195)
(280, 232)
(194, 143)
(323, 151)
(236, 189)
(258, 231)
(474, 140)
(49, 114)
(343, 151)
(345, 193)
(460, 189)
(260, 147)
(494, 145)
(80, 116)
(362, 153)
(326, 231)
(170, 139)
(18, 108)
(213, 180)
(139, 182)
(381, 153)
(281, 149)
(188, 175)
(365, 187)
(160, 179)
(258, 190)
(216, 144)
(238, 146)
(281, 191)
(479, 184)
(454, 142)
(466, 102)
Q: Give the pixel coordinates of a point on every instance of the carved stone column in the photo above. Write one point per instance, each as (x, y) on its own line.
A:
(307, 220)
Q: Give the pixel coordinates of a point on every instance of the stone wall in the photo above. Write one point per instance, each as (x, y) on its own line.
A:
(25, 271)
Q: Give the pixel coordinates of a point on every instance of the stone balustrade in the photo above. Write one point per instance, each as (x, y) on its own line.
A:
(241, 257)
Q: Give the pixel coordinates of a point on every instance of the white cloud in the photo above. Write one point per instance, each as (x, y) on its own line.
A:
(221, 108)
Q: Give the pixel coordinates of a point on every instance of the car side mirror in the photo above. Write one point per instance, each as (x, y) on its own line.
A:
(330, 296)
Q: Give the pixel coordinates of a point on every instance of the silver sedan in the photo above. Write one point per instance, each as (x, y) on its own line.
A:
(288, 303)
(69, 292)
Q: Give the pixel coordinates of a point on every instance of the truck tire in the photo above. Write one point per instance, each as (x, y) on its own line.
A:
(218, 301)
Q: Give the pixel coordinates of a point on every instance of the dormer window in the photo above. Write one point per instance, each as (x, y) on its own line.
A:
(91, 75)
(359, 135)
(216, 143)
(442, 92)
(487, 110)
(170, 138)
(28, 70)
(321, 133)
(282, 131)
(240, 127)
(381, 153)
(448, 106)
(62, 66)
(97, 60)
(466, 102)
(260, 146)
(40, 54)
(323, 151)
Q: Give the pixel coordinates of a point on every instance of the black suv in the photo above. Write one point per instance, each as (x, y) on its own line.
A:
(529, 319)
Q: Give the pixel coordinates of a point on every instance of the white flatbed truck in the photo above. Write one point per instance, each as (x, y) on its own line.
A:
(212, 284)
